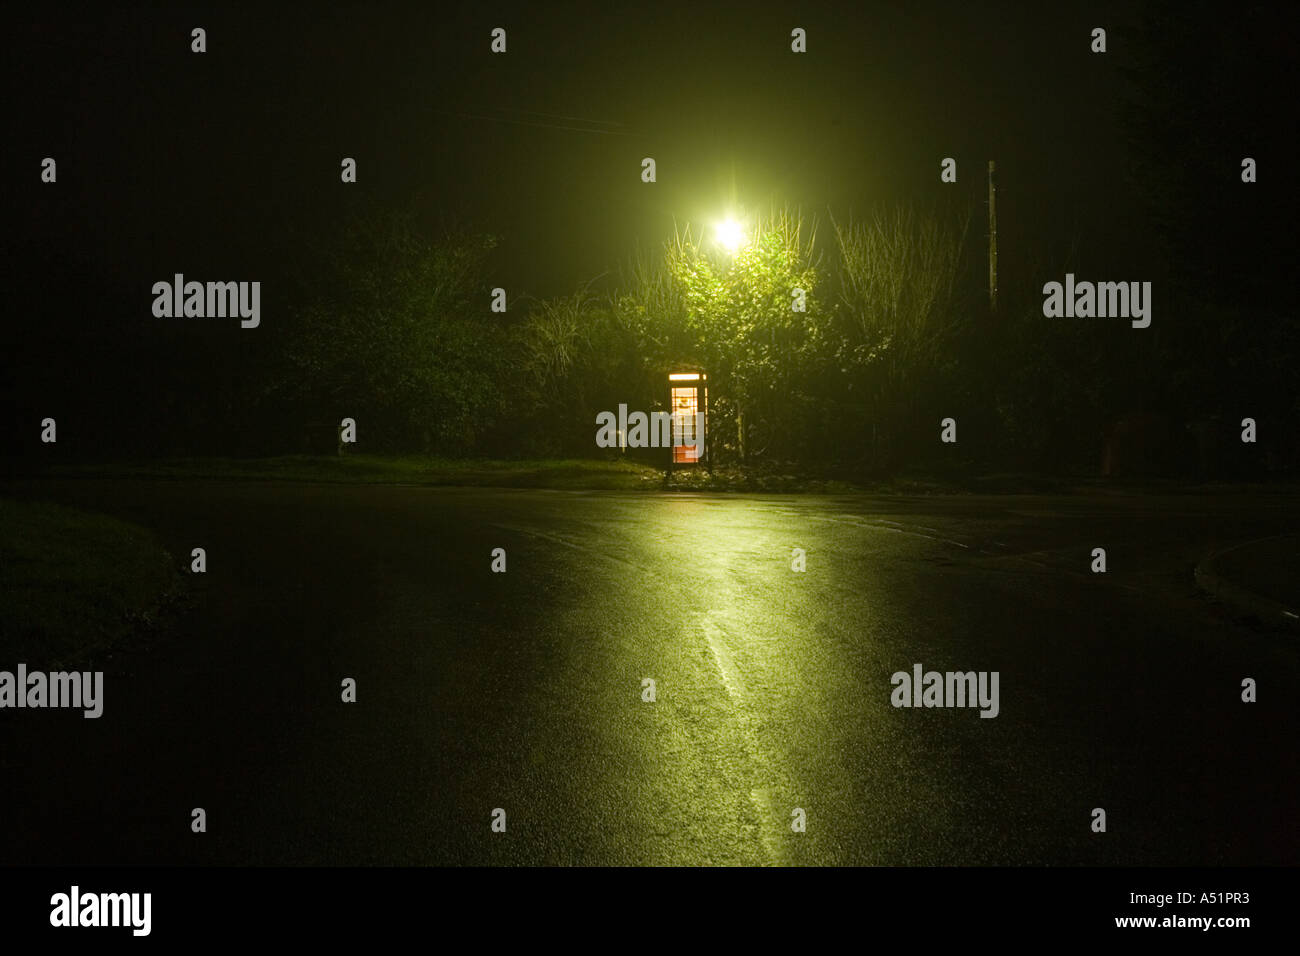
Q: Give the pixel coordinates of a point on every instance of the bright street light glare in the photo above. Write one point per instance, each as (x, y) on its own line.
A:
(731, 235)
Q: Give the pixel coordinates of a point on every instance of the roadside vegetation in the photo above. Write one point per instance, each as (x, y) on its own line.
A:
(74, 584)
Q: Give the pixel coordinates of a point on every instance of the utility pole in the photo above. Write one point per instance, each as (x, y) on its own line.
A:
(993, 241)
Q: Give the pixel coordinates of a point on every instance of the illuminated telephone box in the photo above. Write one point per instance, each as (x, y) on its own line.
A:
(689, 404)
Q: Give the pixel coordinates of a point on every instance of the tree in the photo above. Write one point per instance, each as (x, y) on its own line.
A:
(578, 359)
(900, 277)
(394, 330)
(741, 318)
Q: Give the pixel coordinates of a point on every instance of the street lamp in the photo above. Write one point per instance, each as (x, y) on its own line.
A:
(730, 235)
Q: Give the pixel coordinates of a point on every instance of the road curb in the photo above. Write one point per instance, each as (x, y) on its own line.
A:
(1242, 600)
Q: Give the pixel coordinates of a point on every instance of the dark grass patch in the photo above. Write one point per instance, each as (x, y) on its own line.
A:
(383, 469)
(74, 584)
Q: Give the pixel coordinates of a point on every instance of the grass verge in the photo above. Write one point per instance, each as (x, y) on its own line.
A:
(392, 469)
(75, 583)
(625, 475)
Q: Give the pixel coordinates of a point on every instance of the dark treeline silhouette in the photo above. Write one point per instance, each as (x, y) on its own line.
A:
(387, 321)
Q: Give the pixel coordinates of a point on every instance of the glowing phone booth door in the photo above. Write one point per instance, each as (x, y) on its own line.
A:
(689, 403)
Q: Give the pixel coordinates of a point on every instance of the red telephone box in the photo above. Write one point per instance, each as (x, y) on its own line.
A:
(689, 401)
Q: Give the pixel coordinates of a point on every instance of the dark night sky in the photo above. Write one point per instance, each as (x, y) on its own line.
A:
(171, 161)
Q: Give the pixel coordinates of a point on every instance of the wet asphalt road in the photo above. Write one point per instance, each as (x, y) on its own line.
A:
(523, 690)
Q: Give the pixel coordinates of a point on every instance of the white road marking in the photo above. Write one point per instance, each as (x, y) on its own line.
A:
(768, 822)
(716, 639)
